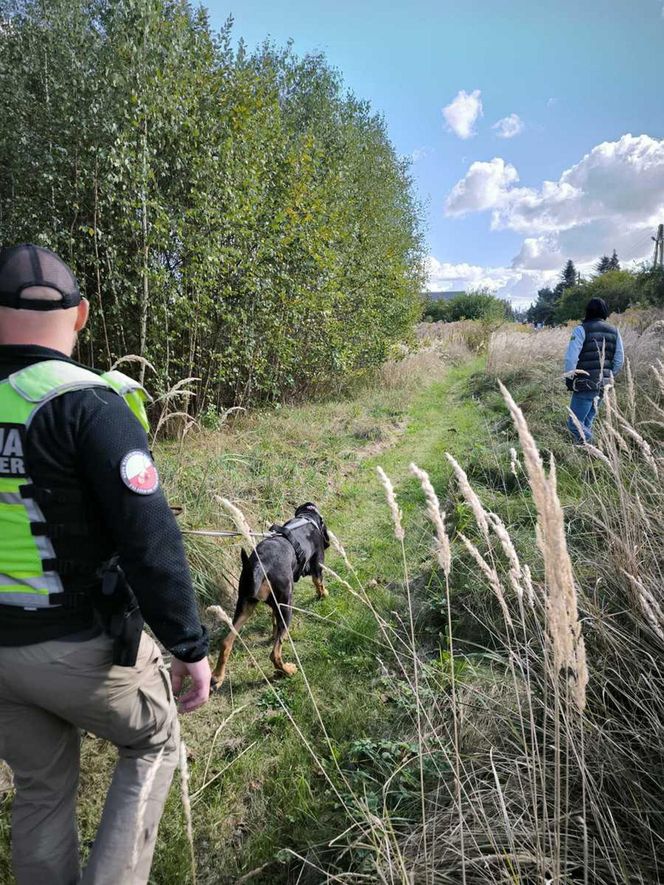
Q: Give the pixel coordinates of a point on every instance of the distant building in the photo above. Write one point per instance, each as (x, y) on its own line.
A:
(442, 296)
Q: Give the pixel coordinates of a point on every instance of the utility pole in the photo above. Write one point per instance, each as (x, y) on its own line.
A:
(658, 260)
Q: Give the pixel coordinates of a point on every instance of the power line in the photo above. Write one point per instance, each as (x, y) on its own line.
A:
(638, 242)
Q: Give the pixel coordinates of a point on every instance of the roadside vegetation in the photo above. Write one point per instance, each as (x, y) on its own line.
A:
(620, 288)
(520, 693)
(236, 217)
(544, 712)
(258, 793)
(488, 711)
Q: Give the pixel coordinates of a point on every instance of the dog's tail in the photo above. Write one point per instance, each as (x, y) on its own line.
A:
(251, 576)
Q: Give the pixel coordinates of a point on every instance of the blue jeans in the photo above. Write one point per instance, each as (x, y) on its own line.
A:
(584, 405)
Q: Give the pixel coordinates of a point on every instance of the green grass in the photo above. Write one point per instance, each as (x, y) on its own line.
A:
(273, 797)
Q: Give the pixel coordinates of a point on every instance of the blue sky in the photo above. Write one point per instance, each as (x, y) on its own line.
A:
(580, 75)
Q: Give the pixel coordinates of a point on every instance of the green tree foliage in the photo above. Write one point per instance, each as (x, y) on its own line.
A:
(233, 216)
(543, 309)
(479, 305)
(619, 288)
(650, 287)
(569, 276)
(605, 263)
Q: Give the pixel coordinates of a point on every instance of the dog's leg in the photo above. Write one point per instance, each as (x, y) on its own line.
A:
(244, 610)
(317, 576)
(283, 616)
(321, 589)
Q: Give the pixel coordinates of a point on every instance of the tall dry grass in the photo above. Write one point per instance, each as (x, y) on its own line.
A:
(514, 347)
(539, 757)
(548, 756)
(463, 336)
(506, 737)
(438, 346)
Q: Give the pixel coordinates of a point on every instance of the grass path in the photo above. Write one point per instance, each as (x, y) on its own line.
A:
(272, 796)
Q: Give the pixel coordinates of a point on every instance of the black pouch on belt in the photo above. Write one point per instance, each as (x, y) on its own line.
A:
(122, 618)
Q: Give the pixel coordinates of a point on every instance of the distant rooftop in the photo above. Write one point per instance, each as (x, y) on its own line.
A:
(443, 296)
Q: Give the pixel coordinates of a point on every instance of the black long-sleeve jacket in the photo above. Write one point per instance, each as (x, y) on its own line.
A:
(77, 441)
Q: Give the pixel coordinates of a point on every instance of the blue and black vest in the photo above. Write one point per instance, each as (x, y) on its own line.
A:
(596, 357)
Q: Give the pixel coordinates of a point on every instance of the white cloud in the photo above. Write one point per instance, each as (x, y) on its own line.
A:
(446, 276)
(517, 285)
(462, 112)
(539, 253)
(619, 180)
(611, 199)
(509, 126)
(485, 186)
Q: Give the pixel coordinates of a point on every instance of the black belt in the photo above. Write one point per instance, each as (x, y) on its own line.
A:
(70, 600)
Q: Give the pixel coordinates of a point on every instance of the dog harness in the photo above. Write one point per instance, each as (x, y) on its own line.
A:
(286, 531)
(30, 574)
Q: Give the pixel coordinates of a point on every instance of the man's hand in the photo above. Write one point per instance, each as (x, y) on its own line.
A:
(200, 683)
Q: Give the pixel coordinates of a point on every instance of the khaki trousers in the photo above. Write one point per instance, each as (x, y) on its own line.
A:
(48, 692)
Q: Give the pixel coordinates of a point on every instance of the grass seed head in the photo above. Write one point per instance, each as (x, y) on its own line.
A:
(392, 504)
(238, 518)
(437, 518)
(563, 624)
(186, 805)
(470, 496)
(337, 545)
(218, 612)
(491, 575)
(514, 462)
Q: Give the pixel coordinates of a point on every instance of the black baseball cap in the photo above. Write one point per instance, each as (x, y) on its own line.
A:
(24, 266)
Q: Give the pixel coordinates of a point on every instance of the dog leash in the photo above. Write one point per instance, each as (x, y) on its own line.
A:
(209, 533)
(212, 533)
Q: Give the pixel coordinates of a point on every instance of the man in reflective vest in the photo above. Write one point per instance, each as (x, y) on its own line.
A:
(78, 488)
(594, 355)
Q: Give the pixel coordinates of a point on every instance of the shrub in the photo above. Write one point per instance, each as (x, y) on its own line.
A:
(478, 305)
(235, 217)
(619, 288)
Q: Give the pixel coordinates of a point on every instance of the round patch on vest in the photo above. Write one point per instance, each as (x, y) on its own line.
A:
(139, 473)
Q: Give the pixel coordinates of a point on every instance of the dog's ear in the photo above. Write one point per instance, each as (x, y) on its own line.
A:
(244, 556)
(326, 537)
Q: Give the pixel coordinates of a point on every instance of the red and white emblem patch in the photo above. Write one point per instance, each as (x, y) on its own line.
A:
(139, 473)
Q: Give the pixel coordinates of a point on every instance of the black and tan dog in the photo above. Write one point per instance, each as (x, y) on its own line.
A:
(293, 551)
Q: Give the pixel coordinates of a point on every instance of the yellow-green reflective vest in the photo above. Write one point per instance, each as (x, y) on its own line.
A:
(27, 559)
